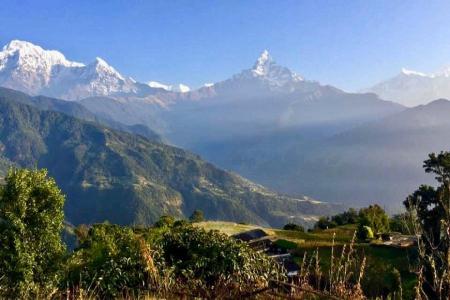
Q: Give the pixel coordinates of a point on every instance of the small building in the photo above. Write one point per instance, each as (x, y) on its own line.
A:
(250, 235)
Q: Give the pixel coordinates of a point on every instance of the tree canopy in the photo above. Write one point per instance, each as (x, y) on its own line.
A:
(31, 222)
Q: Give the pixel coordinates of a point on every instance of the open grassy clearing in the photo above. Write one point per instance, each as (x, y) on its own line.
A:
(379, 259)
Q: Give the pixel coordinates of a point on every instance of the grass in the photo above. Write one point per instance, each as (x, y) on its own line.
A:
(380, 260)
(231, 228)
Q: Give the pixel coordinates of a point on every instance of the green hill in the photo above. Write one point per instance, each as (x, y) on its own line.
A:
(76, 110)
(128, 179)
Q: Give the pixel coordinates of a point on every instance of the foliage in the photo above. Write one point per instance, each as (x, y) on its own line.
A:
(164, 221)
(325, 223)
(197, 216)
(31, 222)
(347, 217)
(401, 223)
(211, 263)
(374, 217)
(293, 226)
(429, 213)
(117, 261)
(364, 232)
(113, 261)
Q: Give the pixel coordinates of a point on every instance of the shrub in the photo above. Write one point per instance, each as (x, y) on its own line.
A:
(164, 221)
(211, 264)
(375, 217)
(112, 261)
(325, 223)
(295, 227)
(364, 232)
(31, 223)
(197, 216)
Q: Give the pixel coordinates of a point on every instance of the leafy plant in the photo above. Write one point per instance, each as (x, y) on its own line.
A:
(212, 264)
(197, 216)
(295, 227)
(112, 261)
(31, 222)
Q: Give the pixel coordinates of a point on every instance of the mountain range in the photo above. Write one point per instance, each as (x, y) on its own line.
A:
(411, 88)
(267, 123)
(126, 178)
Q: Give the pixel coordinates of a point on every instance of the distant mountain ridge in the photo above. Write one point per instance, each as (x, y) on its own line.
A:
(380, 161)
(76, 110)
(411, 88)
(129, 179)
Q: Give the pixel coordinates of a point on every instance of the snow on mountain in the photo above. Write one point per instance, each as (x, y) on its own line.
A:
(267, 70)
(412, 88)
(159, 85)
(30, 68)
(181, 88)
(34, 70)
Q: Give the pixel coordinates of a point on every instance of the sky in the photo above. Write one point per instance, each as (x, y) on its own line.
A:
(348, 44)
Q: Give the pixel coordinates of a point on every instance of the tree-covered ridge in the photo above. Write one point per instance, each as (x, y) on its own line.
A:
(124, 178)
(76, 110)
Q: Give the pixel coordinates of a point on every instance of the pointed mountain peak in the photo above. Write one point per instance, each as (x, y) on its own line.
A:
(267, 69)
(264, 58)
(101, 66)
(263, 63)
(100, 62)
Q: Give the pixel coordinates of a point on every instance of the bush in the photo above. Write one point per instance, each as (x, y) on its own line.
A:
(31, 223)
(197, 216)
(295, 227)
(364, 233)
(116, 261)
(112, 261)
(165, 221)
(211, 264)
(375, 217)
(325, 223)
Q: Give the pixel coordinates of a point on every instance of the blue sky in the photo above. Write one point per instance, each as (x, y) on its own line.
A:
(349, 44)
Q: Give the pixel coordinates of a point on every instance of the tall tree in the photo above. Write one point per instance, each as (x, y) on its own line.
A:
(31, 222)
(429, 207)
(375, 217)
(197, 216)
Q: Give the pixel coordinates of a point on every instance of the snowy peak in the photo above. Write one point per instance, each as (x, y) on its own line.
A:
(408, 72)
(34, 70)
(268, 71)
(26, 52)
(180, 88)
(100, 66)
(159, 85)
(411, 88)
(263, 63)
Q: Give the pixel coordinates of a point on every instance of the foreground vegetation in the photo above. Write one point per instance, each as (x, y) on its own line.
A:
(338, 259)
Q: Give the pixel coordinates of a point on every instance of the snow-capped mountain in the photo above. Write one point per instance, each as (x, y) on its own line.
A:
(267, 70)
(34, 70)
(412, 88)
(180, 88)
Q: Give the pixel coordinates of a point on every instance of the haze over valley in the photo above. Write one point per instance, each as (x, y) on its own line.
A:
(267, 123)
